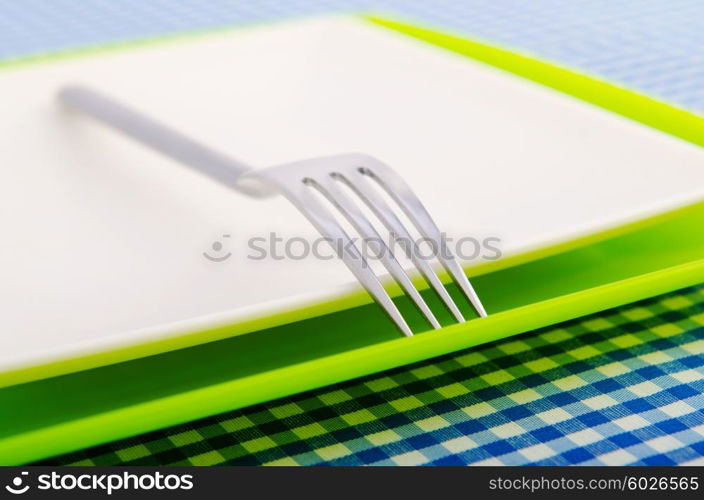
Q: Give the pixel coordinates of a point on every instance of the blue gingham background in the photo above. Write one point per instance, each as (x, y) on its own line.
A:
(642, 405)
(656, 46)
(624, 386)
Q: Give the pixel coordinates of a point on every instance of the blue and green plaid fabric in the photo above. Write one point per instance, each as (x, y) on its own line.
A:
(621, 387)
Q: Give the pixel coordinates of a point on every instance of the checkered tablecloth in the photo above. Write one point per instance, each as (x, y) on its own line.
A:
(621, 387)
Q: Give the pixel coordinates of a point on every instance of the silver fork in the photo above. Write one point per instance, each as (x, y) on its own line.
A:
(301, 182)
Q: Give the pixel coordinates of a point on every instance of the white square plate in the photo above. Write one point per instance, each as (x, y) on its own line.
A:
(103, 240)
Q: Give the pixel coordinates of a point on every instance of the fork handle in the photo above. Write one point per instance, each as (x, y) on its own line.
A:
(159, 137)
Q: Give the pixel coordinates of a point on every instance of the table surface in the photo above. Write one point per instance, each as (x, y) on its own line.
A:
(625, 386)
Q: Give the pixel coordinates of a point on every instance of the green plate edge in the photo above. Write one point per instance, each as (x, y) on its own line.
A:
(50, 427)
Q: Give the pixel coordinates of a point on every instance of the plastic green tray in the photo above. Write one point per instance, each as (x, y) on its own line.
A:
(41, 417)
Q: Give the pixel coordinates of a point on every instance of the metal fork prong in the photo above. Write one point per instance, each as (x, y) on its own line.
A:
(453, 267)
(328, 188)
(391, 221)
(411, 205)
(329, 228)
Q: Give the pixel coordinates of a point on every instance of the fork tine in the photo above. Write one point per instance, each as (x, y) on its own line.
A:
(453, 267)
(328, 188)
(328, 227)
(420, 217)
(395, 226)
